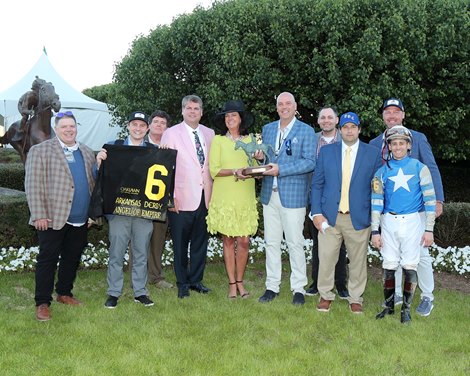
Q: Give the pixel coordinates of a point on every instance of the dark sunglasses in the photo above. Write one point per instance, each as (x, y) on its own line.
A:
(288, 147)
(62, 114)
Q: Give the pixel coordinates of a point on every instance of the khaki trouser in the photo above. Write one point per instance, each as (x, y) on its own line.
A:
(329, 244)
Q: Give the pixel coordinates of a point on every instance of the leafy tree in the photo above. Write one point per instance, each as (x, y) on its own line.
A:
(350, 53)
(102, 93)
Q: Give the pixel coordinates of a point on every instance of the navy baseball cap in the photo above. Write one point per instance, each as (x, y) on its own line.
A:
(349, 117)
(393, 102)
(138, 115)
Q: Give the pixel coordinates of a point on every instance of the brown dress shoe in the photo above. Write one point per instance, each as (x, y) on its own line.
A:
(355, 308)
(324, 305)
(43, 313)
(70, 300)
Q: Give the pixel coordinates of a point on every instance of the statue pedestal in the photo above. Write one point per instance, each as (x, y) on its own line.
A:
(256, 170)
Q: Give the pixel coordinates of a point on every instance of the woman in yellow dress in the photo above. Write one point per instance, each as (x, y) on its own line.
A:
(232, 209)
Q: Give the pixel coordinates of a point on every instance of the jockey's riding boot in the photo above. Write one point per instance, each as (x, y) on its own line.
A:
(389, 294)
(411, 281)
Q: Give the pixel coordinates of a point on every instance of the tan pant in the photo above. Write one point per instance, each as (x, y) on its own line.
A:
(157, 243)
(329, 245)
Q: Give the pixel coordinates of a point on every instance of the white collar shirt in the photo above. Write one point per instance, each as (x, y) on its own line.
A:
(193, 140)
(280, 139)
(69, 148)
(354, 149)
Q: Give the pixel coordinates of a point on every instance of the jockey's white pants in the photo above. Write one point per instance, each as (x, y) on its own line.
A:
(425, 271)
(401, 240)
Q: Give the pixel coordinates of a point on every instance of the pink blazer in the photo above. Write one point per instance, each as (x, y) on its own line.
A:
(190, 178)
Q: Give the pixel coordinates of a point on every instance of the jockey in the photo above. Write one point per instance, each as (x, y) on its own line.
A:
(27, 107)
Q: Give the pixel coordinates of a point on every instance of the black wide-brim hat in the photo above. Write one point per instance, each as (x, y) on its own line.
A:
(234, 106)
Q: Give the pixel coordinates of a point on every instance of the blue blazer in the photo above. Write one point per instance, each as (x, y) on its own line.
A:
(295, 170)
(421, 150)
(326, 183)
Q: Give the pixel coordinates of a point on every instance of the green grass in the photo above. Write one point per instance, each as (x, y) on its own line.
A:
(212, 335)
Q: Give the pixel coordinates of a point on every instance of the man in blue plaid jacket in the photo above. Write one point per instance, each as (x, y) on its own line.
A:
(284, 195)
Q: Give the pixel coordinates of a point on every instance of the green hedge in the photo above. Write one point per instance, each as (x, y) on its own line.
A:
(15, 231)
(12, 176)
(451, 228)
(350, 53)
(455, 179)
(14, 228)
(9, 155)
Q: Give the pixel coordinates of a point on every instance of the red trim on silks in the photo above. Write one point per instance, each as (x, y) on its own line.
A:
(409, 287)
(389, 283)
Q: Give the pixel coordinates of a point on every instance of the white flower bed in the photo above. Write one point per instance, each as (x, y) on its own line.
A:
(452, 259)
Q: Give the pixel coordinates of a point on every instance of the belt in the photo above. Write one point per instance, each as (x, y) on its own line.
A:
(275, 189)
(339, 212)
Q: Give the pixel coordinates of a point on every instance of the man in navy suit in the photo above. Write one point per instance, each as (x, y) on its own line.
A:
(284, 196)
(393, 113)
(341, 189)
(327, 120)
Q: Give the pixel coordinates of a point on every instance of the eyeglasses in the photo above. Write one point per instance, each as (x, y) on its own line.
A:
(62, 114)
(398, 131)
(288, 145)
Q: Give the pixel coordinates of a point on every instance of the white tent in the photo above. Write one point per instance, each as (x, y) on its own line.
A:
(93, 116)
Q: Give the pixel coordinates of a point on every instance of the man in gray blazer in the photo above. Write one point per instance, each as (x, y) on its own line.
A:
(58, 183)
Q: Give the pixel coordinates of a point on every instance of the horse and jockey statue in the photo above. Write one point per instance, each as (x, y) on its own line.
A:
(251, 147)
(35, 107)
